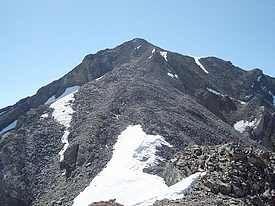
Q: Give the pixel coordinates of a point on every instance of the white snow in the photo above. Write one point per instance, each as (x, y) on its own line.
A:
(172, 75)
(259, 78)
(62, 113)
(99, 78)
(242, 102)
(197, 60)
(138, 47)
(67, 91)
(9, 127)
(175, 191)
(50, 100)
(273, 97)
(243, 124)
(123, 178)
(65, 141)
(44, 115)
(215, 92)
(164, 55)
(2, 112)
(153, 51)
(63, 110)
(222, 95)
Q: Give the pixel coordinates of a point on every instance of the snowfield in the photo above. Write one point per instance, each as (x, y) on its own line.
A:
(62, 113)
(123, 178)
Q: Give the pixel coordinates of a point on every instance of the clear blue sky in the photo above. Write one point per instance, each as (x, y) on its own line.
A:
(42, 40)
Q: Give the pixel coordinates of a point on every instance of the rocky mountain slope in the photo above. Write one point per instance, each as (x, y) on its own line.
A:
(200, 116)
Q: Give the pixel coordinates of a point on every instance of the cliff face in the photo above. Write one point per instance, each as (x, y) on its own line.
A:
(53, 144)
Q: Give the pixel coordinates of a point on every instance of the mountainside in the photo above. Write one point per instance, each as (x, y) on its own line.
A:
(139, 125)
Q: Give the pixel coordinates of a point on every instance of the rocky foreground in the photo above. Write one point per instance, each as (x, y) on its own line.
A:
(236, 175)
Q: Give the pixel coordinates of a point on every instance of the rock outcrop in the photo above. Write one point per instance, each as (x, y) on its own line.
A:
(244, 175)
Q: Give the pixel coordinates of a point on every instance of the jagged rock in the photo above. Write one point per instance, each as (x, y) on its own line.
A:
(70, 158)
(244, 172)
(171, 174)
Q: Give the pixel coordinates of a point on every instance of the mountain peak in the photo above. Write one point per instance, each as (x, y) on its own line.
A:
(139, 40)
(136, 116)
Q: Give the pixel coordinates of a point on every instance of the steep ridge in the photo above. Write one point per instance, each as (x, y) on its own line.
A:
(136, 83)
(93, 66)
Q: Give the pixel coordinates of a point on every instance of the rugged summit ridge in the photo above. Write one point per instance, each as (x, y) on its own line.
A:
(93, 66)
(53, 144)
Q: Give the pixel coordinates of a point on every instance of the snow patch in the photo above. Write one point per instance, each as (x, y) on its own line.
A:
(62, 113)
(123, 178)
(67, 91)
(172, 75)
(242, 102)
(138, 47)
(63, 110)
(164, 55)
(50, 100)
(99, 78)
(65, 141)
(273, 97)
(259, 78)
(243, 124)
(9, 127)
(215, 92)
(45, 115)
(153, 51)
(197, 60)
(222, 95)
(176, 191)
(1, 113)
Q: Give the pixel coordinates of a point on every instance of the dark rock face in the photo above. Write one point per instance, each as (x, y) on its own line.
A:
(192, 108)
(25, 154)
(265, 130)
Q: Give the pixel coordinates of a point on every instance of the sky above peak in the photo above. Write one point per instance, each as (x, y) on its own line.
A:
(42, 40)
